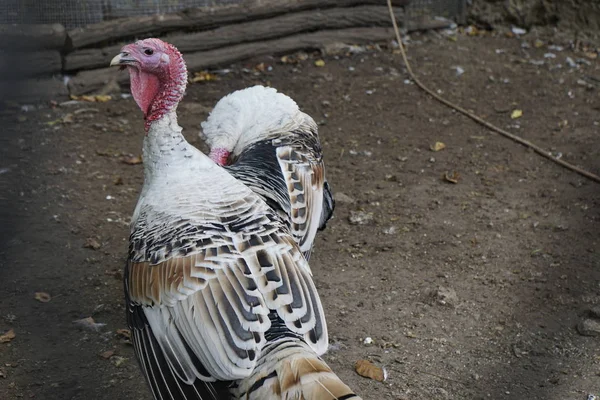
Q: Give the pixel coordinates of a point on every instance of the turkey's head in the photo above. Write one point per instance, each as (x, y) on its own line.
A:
(157, 73)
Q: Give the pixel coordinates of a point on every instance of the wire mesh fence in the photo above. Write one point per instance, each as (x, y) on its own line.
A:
(77, 13)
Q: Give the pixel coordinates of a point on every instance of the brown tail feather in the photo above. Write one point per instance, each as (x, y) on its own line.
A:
(291, 370)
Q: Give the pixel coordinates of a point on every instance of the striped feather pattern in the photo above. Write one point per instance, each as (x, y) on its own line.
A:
(210, 263)
(289, 369)
(215, 300)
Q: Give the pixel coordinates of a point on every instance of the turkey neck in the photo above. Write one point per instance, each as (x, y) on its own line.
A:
(165, 149)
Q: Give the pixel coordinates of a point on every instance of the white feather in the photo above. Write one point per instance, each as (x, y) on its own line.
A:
(247, 115)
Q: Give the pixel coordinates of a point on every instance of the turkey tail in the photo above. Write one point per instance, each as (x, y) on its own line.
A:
(289, 369)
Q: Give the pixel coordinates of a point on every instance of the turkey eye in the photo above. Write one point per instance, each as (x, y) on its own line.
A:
(148, 52)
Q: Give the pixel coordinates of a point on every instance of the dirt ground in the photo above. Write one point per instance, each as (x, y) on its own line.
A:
(470, 290)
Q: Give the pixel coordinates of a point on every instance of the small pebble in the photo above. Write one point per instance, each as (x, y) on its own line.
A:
(390, 231)
(518, 31)
(446, 296)
(570, 62)
(360, 218)
(589, 327)
(343, 198)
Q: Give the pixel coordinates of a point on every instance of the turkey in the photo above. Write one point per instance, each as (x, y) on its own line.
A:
(273, 148)
(220, 300)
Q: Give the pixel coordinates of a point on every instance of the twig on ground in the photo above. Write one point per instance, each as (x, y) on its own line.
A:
(478, 119)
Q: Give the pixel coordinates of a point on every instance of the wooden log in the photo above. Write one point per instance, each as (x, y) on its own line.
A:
(308, 41)
(90, 58)
(201, 19)
(93, 80)
(20, 65)
(280, 26)
(32, 90)
(28, 37)
(284, 25)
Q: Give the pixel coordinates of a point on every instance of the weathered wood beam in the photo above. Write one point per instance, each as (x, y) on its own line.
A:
(201, 18)
(264, 29)
(27, 37)
(284, 25)
(93, 80)
(19, 65)
(308, 41)
(90, 58)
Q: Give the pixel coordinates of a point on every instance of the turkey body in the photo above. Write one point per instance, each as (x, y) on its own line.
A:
(217, 287)
(275, 150)
(220, 299)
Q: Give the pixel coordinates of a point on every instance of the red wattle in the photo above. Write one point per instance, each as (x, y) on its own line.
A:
(219, 156)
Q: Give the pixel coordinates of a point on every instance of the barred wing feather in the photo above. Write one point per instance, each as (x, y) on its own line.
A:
(205, 298)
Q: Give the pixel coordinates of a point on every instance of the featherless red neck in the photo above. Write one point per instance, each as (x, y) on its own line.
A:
(172, 88)
(158, 76)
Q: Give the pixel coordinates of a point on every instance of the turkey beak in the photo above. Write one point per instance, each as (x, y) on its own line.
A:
(122, 59)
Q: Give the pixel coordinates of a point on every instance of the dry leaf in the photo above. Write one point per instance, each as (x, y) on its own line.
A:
(67, 119)
(42, 297)
(369, 370)
(294, 59)
(437, 146)
(472, 30)
(260, 67)
(204, 76)
(89, 323)
(133, 160)
(516, 114)
(118, 360)
(105, 153)
(91, 243)
(102, 98)
(8, 336)
(124, 334)
(115, 274)
(319, 63)
(56, 121)
(107, 354)
(591, 55)
(452, 176)
(83, 98)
